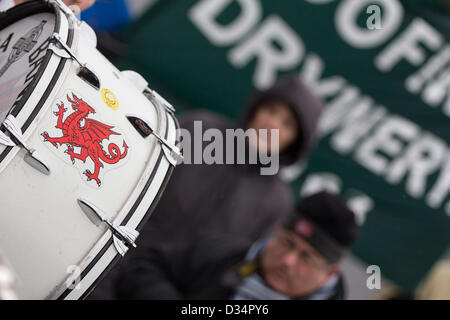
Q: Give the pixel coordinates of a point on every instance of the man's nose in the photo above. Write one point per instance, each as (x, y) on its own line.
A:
(290, 259)
(274, 123)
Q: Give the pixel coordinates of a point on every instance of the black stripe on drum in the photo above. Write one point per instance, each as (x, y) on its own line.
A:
(5, 153)
(147, 215)
(162, 188)
(104, 273)
(89, 267)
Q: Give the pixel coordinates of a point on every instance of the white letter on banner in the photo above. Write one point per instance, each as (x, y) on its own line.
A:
(312, 74)
(421, 160)
(407, 46)
(204, 15)
(270, 58)
(386, 140)
(362, 38)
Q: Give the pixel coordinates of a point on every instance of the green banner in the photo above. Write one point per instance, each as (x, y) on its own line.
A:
(383, 68)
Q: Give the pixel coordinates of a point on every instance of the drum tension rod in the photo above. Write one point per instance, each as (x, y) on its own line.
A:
(65, 52)
(123, 236)
(32, 157)
(5, 140)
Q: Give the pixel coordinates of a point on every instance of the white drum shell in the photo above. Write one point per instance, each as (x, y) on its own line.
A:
(44, 233)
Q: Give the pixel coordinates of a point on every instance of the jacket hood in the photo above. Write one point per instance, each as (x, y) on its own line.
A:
(306, 106)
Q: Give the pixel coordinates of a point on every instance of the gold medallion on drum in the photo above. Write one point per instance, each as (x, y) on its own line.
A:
(109, 98)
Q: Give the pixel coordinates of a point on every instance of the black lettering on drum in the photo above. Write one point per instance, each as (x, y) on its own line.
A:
(35, 65)
(42, 48)
(35, 60)
(5, 43)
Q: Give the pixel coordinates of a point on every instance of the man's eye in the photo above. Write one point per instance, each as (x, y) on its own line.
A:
(305, 256)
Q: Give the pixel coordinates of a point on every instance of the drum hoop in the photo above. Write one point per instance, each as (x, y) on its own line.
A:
(13, 15)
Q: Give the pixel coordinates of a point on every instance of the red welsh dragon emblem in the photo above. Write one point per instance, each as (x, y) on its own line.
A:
(87, 136)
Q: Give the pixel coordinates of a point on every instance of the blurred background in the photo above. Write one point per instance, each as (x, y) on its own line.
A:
(386, 84)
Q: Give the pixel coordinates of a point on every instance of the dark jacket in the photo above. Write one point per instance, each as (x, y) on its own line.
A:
(203, 269)
(230, 199)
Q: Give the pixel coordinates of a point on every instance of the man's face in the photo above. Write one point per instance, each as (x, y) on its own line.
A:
(275, 115)
(292, 267)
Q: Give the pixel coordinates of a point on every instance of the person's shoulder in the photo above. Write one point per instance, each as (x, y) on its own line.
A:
(219, 245)
(207, 118)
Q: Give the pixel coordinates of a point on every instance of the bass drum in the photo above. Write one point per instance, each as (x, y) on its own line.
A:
(85, 153)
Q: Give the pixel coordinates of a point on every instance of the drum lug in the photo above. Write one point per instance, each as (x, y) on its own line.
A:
(171, 152)
(123, 236)
(5, 140)
(89, 76)
(174, 157)
(65, 52)
(32, 157)
(58, 51)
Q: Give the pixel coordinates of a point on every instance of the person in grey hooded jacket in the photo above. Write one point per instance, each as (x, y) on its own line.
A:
(235, 199)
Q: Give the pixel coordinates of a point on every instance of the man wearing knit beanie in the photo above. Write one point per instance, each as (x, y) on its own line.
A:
(299, 260)
(302, 257)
